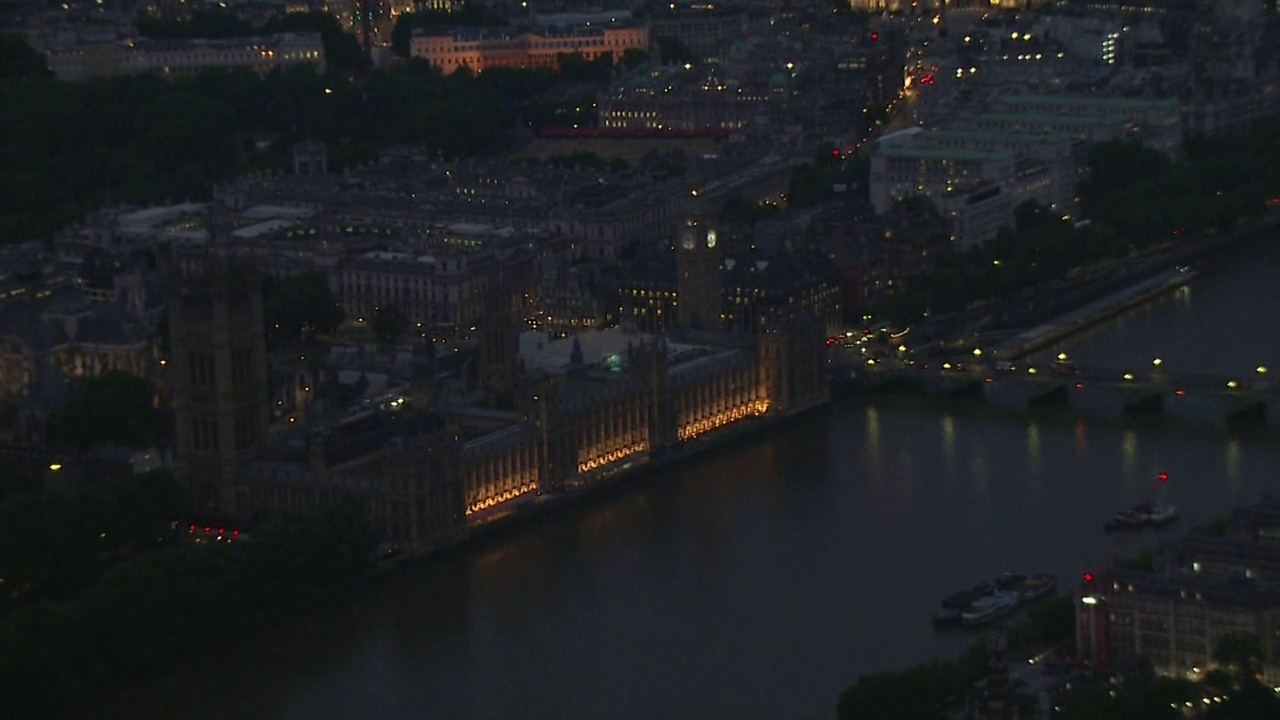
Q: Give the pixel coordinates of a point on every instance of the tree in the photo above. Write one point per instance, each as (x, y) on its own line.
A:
(810, 185)
(45, 544)
(388, 322)
(674, 52)
(134, 512)
(575, 67)
(1241, 654)
(211, 22)
(633, 58)
(1051, 623)
(921, 692)
(114, 408)
(147, 610)
(742, 210)
(298, 308)
(18, 60)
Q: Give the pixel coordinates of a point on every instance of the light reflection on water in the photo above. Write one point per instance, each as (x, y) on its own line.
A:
(1033, 454)
(741, 584)
(759, 580)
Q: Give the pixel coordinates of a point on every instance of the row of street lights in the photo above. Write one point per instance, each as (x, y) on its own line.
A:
(1159, 362)
(1156, 362)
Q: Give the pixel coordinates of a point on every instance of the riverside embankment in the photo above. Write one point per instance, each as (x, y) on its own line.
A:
(1090, 296)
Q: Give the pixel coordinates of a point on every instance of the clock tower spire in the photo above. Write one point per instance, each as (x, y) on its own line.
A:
(697, 266)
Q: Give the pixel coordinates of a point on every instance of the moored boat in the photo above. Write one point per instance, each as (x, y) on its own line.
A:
(1028, 587)
(953, 606)
(1141, 515)
(1161, 514)
(989, 608)
(1037, 586)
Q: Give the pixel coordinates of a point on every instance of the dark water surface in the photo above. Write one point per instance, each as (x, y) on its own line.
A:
(759, 580)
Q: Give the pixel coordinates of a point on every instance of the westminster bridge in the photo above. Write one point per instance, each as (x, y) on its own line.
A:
(1091, 390)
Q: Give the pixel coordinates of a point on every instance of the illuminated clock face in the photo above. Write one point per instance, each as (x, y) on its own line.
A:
(711, 238)
(687, 239)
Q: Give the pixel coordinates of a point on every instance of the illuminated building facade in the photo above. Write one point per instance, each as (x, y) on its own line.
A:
(753, 289)
(580, 418)
(646, 294)
(446, 287)
(74, 336)
(677, 101)
(48, 323)
(1208, 586)
(174, 58)
(478, 49)
(900, 171)
(779, 287)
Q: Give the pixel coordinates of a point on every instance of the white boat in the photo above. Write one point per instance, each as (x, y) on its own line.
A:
(990, 608)
(1160, 513)
(955, 605)
(1142, 515)
(1027, 587)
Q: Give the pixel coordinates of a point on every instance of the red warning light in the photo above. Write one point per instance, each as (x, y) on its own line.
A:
(1088, 577)
(835, 152)
(1163, 477)
(875, 36)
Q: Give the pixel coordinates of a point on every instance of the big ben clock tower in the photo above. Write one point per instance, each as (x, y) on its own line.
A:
(698, 271)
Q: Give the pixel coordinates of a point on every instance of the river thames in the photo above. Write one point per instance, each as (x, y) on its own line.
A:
(759, 580)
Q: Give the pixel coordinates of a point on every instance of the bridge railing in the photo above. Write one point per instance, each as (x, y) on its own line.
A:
(1254, 384)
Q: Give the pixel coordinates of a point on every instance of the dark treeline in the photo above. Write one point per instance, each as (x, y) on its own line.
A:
(926, 691)
(52, 544)
(931, 689)
(100, 577)
(1135, 199)
(148, 611)
(68, 148)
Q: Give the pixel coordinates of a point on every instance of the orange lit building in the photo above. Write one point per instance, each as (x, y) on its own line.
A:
(525, 48)
(580, 418)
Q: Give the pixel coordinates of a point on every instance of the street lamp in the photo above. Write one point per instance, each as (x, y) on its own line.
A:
(1261, 369)
(977, 352)
(1157, 362)
(55, 467)
(1062, 357)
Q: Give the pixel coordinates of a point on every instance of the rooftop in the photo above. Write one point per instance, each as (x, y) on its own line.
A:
(539, 353)
(1091, 101)
(904, 151)
(997, 136)
(1048, 119)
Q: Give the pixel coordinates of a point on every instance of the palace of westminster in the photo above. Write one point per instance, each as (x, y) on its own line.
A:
(529, 421)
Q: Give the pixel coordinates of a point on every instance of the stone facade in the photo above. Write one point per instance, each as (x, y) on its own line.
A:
(430, 484)
(219, 380)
